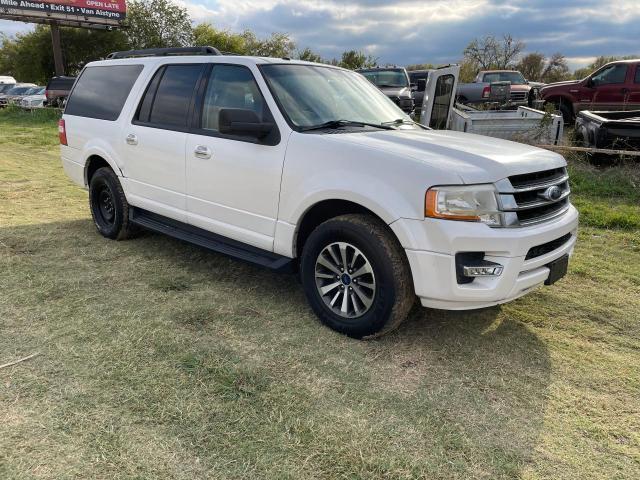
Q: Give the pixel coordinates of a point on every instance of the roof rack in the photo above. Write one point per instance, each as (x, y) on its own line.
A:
(164, 52)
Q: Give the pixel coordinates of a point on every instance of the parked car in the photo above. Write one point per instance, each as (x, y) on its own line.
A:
(308, 167)
(418, 80)
(58, 90)
(7, 80)
(615, 86)
(5, 87)
(34, 100)
(394, 83)
(479, 90)
(18, 90)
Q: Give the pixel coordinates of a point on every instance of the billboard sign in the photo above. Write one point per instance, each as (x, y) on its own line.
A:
(65, 12)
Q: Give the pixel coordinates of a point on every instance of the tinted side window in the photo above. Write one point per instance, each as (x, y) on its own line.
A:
(637, 80)
(230, 86)
(172, 98)
(611, 75)
(101, 91)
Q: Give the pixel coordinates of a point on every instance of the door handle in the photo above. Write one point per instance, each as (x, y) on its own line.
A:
(132, 139)
(202, 152)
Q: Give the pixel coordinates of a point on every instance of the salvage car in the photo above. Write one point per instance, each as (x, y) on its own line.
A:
(479, 90)
(34, 100)
(394, 83)
(310, 168)
(615, 86)
(619, 130)
(17, 91)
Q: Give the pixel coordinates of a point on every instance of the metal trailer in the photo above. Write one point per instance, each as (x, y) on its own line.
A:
(524, 125)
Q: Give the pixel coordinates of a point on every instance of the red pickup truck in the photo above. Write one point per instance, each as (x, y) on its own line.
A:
(615, 86)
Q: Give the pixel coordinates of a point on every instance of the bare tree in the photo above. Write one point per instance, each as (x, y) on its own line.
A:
(490, 53)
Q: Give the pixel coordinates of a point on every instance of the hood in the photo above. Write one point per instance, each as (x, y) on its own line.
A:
(549, 86)
(396, 91)
(474, 158)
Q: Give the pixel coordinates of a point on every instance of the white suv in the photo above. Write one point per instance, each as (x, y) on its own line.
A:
(296, 165)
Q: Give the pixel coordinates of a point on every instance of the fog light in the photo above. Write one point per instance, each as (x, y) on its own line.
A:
(483, 269)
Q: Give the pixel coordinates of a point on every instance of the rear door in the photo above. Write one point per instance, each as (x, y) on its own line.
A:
(610, 88)
(154, 142)
(439, 96)
(634, 89)
(233, 182)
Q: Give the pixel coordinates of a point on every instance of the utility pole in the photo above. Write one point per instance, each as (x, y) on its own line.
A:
(57, 49)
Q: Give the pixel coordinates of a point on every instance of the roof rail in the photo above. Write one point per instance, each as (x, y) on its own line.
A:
(163, 52)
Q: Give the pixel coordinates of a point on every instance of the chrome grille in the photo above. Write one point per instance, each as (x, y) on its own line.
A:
(534, 197)
(518, 96)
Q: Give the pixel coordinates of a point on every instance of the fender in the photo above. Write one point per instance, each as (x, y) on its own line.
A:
(105, 154)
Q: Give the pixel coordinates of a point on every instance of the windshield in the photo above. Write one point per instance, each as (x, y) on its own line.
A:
(515, 78)
(5, 87)
(313, 95)
(386, 78)
(18, 90)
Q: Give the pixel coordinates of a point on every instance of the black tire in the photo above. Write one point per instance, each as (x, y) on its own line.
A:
(567, 113)
(108, 205)
(394, 293)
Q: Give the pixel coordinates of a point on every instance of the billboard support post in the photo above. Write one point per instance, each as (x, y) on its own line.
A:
(57, 49)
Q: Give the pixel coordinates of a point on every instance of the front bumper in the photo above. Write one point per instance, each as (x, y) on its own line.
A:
(431, 246)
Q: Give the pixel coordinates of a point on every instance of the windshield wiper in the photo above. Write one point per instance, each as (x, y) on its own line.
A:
(399, 121)
(345, 123)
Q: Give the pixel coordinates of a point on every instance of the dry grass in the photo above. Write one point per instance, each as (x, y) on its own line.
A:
(160, 360)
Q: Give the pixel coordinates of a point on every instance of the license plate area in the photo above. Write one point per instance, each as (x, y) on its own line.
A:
(557, 269)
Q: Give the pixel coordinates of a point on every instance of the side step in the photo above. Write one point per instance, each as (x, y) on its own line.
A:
(209, 240)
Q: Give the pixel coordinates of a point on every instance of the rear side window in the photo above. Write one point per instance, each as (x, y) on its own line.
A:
(101, 91)
(637, 80)
(167, 101)
(60, 84)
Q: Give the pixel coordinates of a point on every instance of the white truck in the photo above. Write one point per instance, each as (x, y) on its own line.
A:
(309, 167)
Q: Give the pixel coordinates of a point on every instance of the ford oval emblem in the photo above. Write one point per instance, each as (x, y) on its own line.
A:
(552, 193)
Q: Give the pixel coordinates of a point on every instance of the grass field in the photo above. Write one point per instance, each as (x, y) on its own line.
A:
(160, 360)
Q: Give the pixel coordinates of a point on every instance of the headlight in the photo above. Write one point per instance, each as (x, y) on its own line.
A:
(472, 203)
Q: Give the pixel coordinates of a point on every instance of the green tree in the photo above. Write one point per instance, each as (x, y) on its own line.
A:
(354, 59)
(29, 56)
(310, 56)
(532, 66)
(556, 69)
(420, 66)
(157, 23)
(468, 70)
(246, 43)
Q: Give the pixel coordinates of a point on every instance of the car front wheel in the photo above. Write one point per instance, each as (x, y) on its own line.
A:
(356, 276)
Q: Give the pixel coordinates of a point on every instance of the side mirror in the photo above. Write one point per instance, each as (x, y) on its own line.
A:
(589, 83)
(239, 121)
(414, 87)
(421, 84)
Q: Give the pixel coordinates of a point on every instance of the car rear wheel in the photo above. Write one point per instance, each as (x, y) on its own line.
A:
(356, 276)
(108, 204)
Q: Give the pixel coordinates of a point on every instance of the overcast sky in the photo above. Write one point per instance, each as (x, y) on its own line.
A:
(430, 31)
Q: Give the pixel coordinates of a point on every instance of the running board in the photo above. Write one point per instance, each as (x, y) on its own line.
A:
(209, 240)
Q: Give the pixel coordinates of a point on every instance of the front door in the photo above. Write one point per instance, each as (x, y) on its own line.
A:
(233, 183)
(439, 96)
(155, 141)
(610, 90)
(634, 90)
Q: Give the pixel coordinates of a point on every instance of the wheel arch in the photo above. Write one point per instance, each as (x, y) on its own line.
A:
(324, 210)
(96, 160)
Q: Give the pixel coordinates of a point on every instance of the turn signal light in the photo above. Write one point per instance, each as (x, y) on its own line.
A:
(62, 132)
